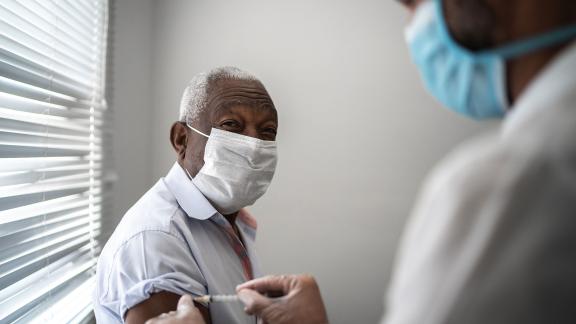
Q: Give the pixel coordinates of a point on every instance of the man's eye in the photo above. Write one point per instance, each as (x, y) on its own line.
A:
(230, 124)
(268, 133)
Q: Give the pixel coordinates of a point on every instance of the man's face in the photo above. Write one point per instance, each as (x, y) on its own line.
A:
(242, 107)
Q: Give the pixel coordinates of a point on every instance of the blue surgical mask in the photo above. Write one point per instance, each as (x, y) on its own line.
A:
(470, 83)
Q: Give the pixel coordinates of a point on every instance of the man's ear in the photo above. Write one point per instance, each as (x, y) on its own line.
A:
(179, 139)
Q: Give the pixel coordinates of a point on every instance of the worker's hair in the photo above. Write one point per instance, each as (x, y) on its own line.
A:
(195, 96)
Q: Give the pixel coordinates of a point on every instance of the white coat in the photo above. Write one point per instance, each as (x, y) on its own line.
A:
(493, 237)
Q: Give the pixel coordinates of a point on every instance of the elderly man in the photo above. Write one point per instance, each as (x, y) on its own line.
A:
(189, 234)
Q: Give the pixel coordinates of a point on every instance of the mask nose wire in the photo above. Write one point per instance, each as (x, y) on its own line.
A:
(197, 131)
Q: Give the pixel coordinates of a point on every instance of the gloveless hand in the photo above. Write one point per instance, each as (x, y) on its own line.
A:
(300, 301)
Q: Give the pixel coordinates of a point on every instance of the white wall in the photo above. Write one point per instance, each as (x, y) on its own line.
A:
(357, 131)
(131, 101)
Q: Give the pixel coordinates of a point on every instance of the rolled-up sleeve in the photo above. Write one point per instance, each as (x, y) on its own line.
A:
(147, 263)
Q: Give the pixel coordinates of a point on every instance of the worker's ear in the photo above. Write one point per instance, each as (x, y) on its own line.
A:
(179, 139)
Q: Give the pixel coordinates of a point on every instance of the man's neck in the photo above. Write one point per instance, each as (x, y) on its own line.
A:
(231, 218)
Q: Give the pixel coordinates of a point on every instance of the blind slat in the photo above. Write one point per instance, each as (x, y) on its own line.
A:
(53, 175)
(45, 134)
(30, 256)
(36, 66)
(14, 93)
(25, 164)
(64, 306)
(10, 294)
(45, 20)
(40, 119)
(41, 187)
(22, 127)
(39, 288)
(34, 259)
(43, 221)
(43, 207)
(46, 81)
(40, 36)
(16, 50)
(85, 8)
(69, 16)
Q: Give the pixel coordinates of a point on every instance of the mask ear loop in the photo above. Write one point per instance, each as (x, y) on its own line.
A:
(197, 131)
(188, 173)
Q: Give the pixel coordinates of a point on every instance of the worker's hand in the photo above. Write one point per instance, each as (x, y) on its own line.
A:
(186, 313)
(300, 301)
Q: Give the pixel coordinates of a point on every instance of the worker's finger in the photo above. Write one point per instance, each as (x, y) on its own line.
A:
(268, 284)
(186, 302)
(253, 301)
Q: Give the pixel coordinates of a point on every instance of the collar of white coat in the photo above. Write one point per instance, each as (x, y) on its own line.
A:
(190, 199)
(550, 87)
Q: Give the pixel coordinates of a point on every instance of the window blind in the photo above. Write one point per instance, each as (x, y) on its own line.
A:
(52, 125)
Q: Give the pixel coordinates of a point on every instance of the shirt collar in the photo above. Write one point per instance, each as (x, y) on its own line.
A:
(554, 83)
(190, 199)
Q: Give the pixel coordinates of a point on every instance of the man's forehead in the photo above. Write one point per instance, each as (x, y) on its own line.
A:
(259, 112)
(224, 95)
(244, 91)
(227, 85)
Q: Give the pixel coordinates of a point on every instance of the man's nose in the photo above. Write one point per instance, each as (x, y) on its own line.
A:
(251, 131)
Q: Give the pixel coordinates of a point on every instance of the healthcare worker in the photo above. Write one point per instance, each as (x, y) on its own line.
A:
(493, 237)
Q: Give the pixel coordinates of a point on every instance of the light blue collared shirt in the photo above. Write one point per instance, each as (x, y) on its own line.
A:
(172, 240)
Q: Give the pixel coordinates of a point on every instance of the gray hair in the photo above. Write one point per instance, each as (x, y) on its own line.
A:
(195, 96)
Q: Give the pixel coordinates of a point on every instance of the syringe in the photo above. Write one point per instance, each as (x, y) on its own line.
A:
(207, 299)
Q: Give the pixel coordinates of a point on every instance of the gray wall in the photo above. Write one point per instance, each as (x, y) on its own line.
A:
(131, 101)
(357, 131)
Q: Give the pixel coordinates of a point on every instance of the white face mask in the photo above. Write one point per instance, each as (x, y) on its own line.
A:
(237, 169)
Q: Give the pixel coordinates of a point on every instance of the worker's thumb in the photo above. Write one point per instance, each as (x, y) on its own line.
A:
(186, 302)
(255, 303)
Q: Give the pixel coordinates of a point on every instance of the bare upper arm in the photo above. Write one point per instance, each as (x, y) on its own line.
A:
(162, 302)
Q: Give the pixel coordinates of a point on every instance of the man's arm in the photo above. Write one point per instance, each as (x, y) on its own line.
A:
(149, 273)
(159, 303)
(186, 313)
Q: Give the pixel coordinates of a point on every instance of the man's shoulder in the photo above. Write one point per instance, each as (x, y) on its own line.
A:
(153, 212)
(146, 231)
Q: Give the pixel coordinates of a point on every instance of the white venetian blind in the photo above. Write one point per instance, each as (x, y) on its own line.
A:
(52, 108)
